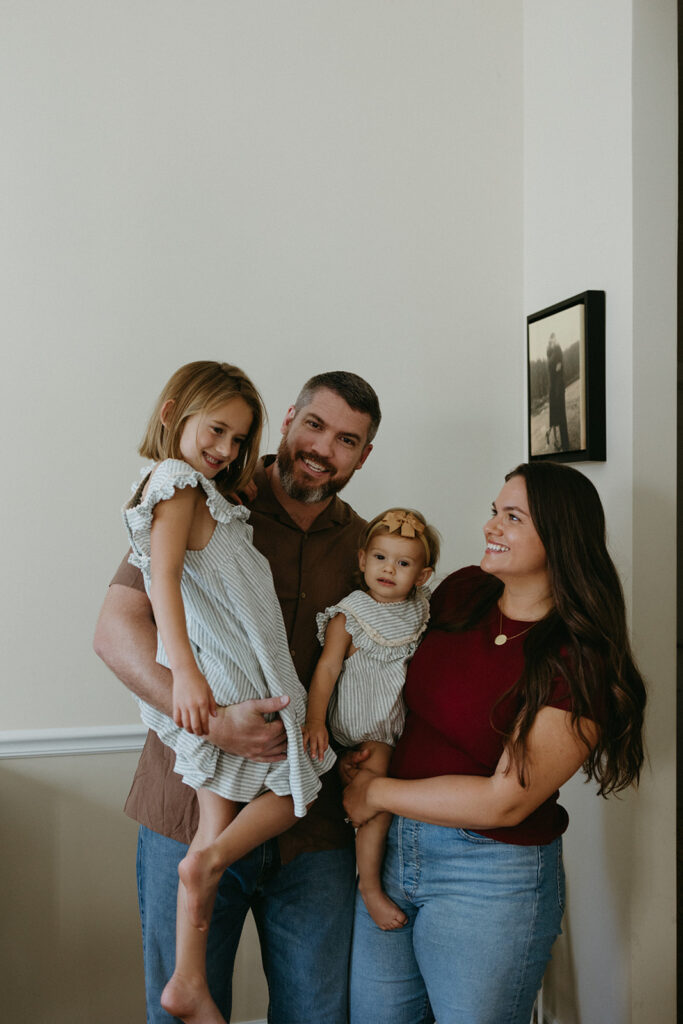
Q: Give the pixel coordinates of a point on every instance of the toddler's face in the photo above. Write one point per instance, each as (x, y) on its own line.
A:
(392, 566)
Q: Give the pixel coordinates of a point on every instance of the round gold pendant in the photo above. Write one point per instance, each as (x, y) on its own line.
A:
(500, 640)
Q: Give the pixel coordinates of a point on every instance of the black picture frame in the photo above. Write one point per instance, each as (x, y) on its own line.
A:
(566, 380)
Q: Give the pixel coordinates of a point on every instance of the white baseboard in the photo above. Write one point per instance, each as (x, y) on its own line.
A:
(96, 739)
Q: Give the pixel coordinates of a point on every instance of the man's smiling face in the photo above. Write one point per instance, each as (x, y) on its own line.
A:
(322, 446)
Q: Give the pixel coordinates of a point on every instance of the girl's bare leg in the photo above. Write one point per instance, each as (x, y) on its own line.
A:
(370, 844)
(187, 993)
(264, 818)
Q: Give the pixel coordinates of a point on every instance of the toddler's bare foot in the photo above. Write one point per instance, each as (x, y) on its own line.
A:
(382, 910)
(188, 998)
(200, 876)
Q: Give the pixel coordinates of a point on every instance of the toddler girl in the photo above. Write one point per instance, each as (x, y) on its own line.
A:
(367, 639)
(222, 636)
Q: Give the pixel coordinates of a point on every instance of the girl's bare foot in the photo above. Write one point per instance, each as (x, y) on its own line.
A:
(188, 998)
(200, 876)
(382, 910)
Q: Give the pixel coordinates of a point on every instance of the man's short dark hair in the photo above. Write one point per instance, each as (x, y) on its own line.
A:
(355, 391)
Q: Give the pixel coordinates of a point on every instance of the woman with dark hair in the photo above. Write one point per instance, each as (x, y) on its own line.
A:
(524, 676)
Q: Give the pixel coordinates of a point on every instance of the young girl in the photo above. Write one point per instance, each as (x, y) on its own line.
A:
(221, 633)
(367, 639)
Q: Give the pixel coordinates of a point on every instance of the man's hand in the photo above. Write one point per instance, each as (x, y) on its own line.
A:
(243, 730)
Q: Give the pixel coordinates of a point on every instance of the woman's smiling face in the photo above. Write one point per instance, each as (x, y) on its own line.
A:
(513, 548)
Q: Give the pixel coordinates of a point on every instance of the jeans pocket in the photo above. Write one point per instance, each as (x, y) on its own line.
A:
(474, 837)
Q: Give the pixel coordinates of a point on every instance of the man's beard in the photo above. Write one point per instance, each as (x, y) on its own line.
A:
(308, 494)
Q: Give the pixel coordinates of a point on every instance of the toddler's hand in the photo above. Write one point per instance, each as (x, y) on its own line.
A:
(193, 702)
(316, 740)
(350, 762)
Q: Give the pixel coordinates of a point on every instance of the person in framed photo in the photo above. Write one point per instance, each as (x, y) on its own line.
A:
(557, 411)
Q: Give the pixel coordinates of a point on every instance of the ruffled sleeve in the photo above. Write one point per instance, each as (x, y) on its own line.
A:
(386, 632)
(168, 477)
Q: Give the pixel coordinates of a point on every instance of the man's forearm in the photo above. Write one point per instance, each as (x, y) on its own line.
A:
(126, 641)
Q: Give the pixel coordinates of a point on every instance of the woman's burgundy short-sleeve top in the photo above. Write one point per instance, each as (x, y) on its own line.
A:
(452, 686)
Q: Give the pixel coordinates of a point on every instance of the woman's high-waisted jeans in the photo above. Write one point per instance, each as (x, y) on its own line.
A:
(482, 917)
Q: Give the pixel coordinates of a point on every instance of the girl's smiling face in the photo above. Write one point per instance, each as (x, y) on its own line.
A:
(513, 548)
(393, 566)
(211, 440)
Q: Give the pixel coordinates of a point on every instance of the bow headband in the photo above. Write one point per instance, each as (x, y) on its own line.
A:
(405, 524)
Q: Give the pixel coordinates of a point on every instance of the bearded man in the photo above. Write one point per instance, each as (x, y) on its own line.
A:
(300, 886)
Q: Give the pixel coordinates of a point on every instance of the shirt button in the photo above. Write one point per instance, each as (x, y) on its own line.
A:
(303, 595)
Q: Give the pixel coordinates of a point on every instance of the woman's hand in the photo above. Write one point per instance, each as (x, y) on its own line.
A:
(357, 797)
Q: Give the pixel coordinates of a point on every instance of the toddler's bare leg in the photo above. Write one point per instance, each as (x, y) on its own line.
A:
(370, 843)
(264, 818)
(187, 994)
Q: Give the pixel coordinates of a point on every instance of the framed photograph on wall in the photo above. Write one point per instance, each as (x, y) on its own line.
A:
(566, 380)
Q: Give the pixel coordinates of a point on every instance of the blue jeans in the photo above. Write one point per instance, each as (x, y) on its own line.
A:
(303, 912)
(482, 917)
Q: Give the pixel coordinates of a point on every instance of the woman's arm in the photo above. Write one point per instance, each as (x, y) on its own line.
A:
(337, 643)
(555, 752)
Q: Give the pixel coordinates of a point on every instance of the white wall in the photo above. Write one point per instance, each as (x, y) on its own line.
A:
(71, 950)
(600, 211)
(291, 186)
(383, 186)
(294, 187)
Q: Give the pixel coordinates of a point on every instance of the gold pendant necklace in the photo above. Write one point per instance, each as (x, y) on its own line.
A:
(502, 637)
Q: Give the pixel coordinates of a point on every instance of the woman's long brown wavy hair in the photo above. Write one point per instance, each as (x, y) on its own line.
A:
(584, 639)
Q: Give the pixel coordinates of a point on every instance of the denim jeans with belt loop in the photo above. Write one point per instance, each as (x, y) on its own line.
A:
(482, 918)
(303, 912)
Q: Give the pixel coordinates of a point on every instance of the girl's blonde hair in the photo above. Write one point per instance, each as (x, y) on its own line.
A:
(200, 387)
(409, 523)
